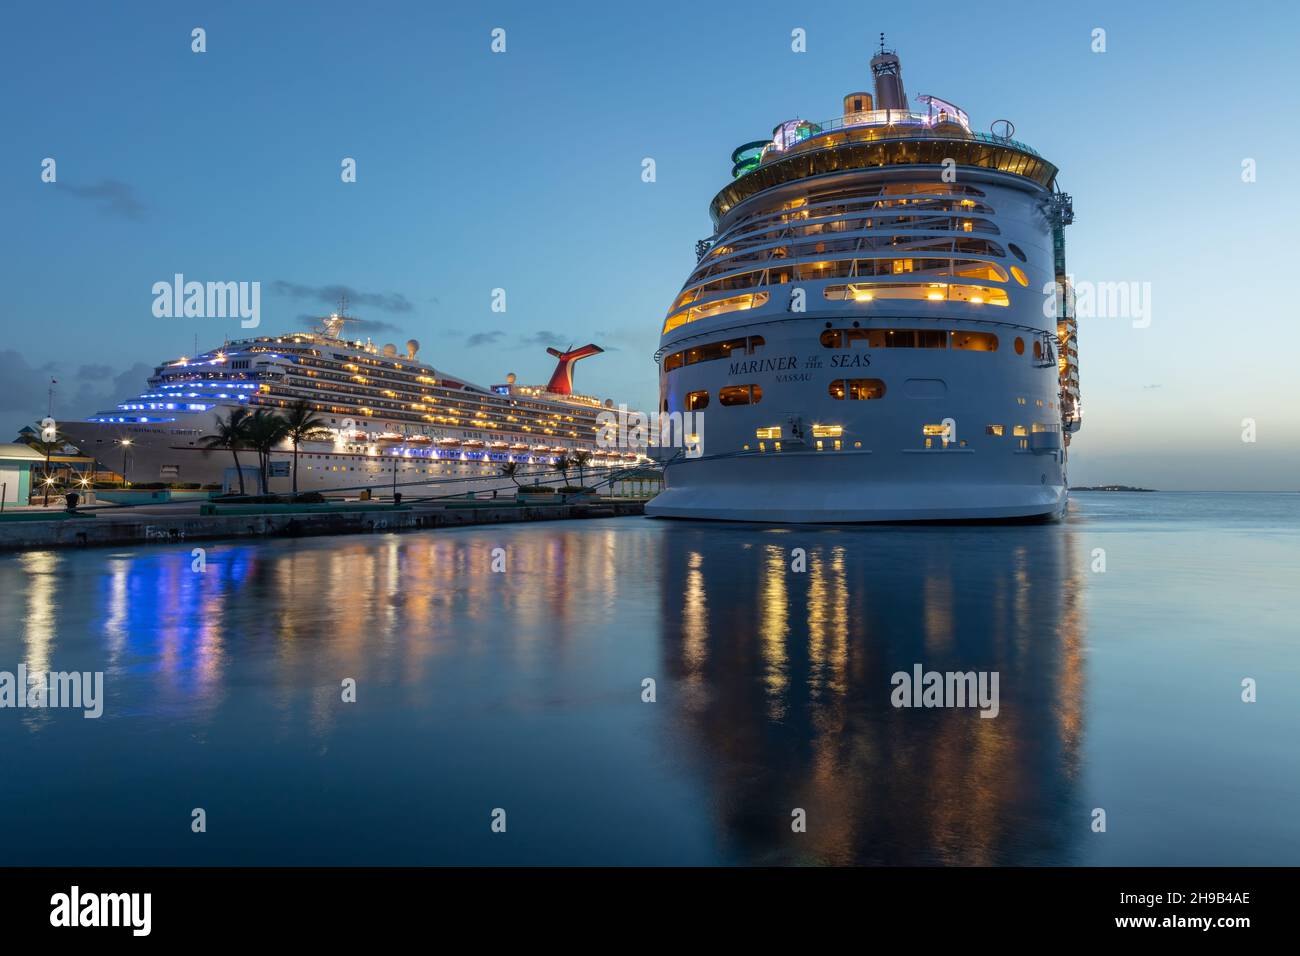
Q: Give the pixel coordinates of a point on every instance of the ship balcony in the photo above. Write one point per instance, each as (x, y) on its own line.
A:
(868, 125)
(868, 148)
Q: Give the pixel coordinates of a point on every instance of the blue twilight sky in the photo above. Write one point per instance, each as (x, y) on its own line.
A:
(523, 171)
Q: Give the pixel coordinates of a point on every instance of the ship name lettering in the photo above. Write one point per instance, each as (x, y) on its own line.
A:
(850, 361)
(763, 365)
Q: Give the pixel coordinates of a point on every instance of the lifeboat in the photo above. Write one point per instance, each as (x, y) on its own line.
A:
(389, 436)
(448, 442)
(498, 445)
(519, 446)
(474, 443)
(543, 449)
(419, 439)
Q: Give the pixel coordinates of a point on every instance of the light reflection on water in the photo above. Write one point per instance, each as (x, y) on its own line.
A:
(522, 690)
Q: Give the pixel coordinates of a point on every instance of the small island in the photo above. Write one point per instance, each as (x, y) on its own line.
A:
(1109, 488)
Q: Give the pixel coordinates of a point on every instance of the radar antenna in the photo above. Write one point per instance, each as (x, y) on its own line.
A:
(332, 324)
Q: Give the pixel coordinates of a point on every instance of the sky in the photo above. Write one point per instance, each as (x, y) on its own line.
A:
(522, 171)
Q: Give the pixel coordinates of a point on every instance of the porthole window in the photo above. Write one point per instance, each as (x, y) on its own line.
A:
(1019, 275)
(1020, 345)
(696, 400)
(740, 395)
(1017, 251)
(856, 389)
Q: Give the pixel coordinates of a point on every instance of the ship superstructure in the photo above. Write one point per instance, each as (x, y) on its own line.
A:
(880, 327)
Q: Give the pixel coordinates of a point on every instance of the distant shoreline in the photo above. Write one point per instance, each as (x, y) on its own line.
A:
(1109, 488)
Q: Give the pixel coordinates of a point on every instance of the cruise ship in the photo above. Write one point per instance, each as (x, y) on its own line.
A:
(880, 327)
(390, 420)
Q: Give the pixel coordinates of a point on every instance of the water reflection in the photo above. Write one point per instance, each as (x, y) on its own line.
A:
(797, 667)
(773, 691)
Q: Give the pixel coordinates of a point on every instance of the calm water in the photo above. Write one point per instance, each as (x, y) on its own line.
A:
(522, 690)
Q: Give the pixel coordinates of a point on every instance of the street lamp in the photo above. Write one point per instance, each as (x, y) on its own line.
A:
(126, 444)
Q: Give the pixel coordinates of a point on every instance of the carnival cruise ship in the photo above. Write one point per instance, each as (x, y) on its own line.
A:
(389, 419)
(880, 328)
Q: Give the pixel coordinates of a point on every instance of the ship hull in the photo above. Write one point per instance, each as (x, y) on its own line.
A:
(813, 488)
(165, 453)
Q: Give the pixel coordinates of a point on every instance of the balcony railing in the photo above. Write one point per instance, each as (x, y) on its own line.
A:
(886, 124)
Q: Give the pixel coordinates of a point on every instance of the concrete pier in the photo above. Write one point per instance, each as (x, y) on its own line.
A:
(168, 524)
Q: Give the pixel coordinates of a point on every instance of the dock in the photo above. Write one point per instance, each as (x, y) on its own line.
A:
(34, 529)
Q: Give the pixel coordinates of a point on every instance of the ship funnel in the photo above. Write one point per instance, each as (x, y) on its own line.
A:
(390, 350)
(888, 73)
(561, 382)
(412, 346)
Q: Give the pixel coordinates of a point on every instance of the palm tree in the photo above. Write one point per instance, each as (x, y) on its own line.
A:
(581, 459)
(301, 424)
(510, 470)
(265, 430)
(562, 465)
(231, 432)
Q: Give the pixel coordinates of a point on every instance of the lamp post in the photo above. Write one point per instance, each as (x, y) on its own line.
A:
(126, 445)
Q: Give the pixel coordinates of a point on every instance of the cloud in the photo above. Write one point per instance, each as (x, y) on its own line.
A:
(25, 385)
(101, 392)
(637, 338)
(1147, 388)
(92, 388)
(544, 339)
(393, 302)
(483, 338)
(115, 197)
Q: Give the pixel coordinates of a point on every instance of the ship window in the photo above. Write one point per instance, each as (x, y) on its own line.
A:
(1019, 430)
(856, 389)
(975, 341)
(933, 291)
(716, 307)
(696, 400)
(1038, 352)
(1020, 345)
(885, 338)
(1016, 251)
(713, 351)
(740, 395)
(998, 430)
